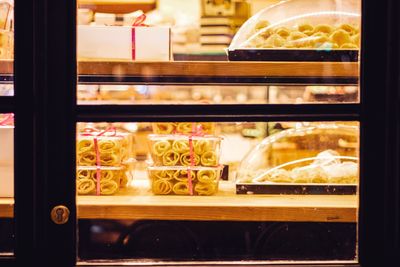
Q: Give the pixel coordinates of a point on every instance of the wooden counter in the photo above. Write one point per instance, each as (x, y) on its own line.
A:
(139, 203)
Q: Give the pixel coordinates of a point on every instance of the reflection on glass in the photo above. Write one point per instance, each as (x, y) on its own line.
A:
(181, 164)
(214, 94)
(6, 183)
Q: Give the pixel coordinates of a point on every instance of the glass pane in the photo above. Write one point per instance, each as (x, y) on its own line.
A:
(6, 184)
(216, 52)
(214, 94)
(6, 47)
(218, 191)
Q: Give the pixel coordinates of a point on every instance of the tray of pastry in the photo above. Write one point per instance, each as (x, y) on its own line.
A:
(325, 174)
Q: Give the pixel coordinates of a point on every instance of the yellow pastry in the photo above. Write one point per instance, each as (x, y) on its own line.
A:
(161, 187)
(181, 188)
(209, 158)
(186, 159)
(170, 158)
(207, 176)
(203, 189)
(85, 186)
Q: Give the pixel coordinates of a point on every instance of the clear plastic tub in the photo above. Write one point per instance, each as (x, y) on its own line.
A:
(183, 127)
(175, 150)
(111, 180)
(112, 150)
(175, 180)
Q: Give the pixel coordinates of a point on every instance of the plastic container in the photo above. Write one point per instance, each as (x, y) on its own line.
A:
(183, 127)
(319, 26)
(175, 150)
(112, 150)
(111, 179)
(175, 180)
(325, 154)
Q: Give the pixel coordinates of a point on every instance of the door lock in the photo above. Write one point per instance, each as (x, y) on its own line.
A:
(59, 214)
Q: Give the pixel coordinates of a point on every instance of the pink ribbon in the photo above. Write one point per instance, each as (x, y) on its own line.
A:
(7, 120)
(138, 22)
(92, 132)
(195, 132)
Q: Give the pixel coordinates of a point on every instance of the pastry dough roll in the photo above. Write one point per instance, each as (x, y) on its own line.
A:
(83, 174)
(182, 175)
(203, 189)
(85, 186)
(209, 158)
(87, 159)
(109, 145)
(104, 175)
(162, 174)
(180, 146)
(207, 176)
(186, 127)
(207, 127)
(159, 148)
(161, 187)
(185, 159)
(170, 158)
(108, 187)
(84, 145)
(201, 146)
(164, 127)
(109, 159)
(181, 188)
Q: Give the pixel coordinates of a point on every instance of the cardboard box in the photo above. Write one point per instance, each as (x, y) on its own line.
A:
(124, 42)
(6, 161)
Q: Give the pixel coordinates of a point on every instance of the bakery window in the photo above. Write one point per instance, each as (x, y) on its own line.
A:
(190, 143)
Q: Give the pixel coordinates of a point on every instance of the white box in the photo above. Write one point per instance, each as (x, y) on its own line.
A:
(6, 161)
(124, 42)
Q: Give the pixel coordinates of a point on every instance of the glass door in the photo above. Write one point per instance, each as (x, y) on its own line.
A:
(211, 133)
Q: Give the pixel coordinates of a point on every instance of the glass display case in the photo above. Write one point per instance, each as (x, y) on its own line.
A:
(283, 153)
(300, 30)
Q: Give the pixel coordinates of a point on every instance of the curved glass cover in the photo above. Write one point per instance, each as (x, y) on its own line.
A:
(323, 153)
(304, 24)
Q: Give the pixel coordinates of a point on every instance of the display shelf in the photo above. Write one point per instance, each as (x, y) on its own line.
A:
(221, 72)
(209, 72)
(139, 203)
(6, 207)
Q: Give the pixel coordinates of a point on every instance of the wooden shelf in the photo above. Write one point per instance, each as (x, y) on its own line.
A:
(6, 207)
(139, 203)
(225, 206)
(211, 72)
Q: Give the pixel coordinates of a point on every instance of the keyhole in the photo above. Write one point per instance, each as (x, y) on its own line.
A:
(59, 214)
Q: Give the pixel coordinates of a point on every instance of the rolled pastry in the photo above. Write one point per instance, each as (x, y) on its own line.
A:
(181, 188)
(180, 146)
(159, 148)
(109, 146)
(348, 28)
(163, 174)
(85, 186)
(104, 175)
(207, 127)
(170, 158)
(182, 175)
(83, 174)
(87, 159)
(84, 145)
(275, 40)
(185, 159)
(108, 187)
(161, 187)
(164, 127)
(109, 159)
(206, 176)
(306, 28)
(203, 189)
(209, 158)
(201, 146)
(186, 127)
